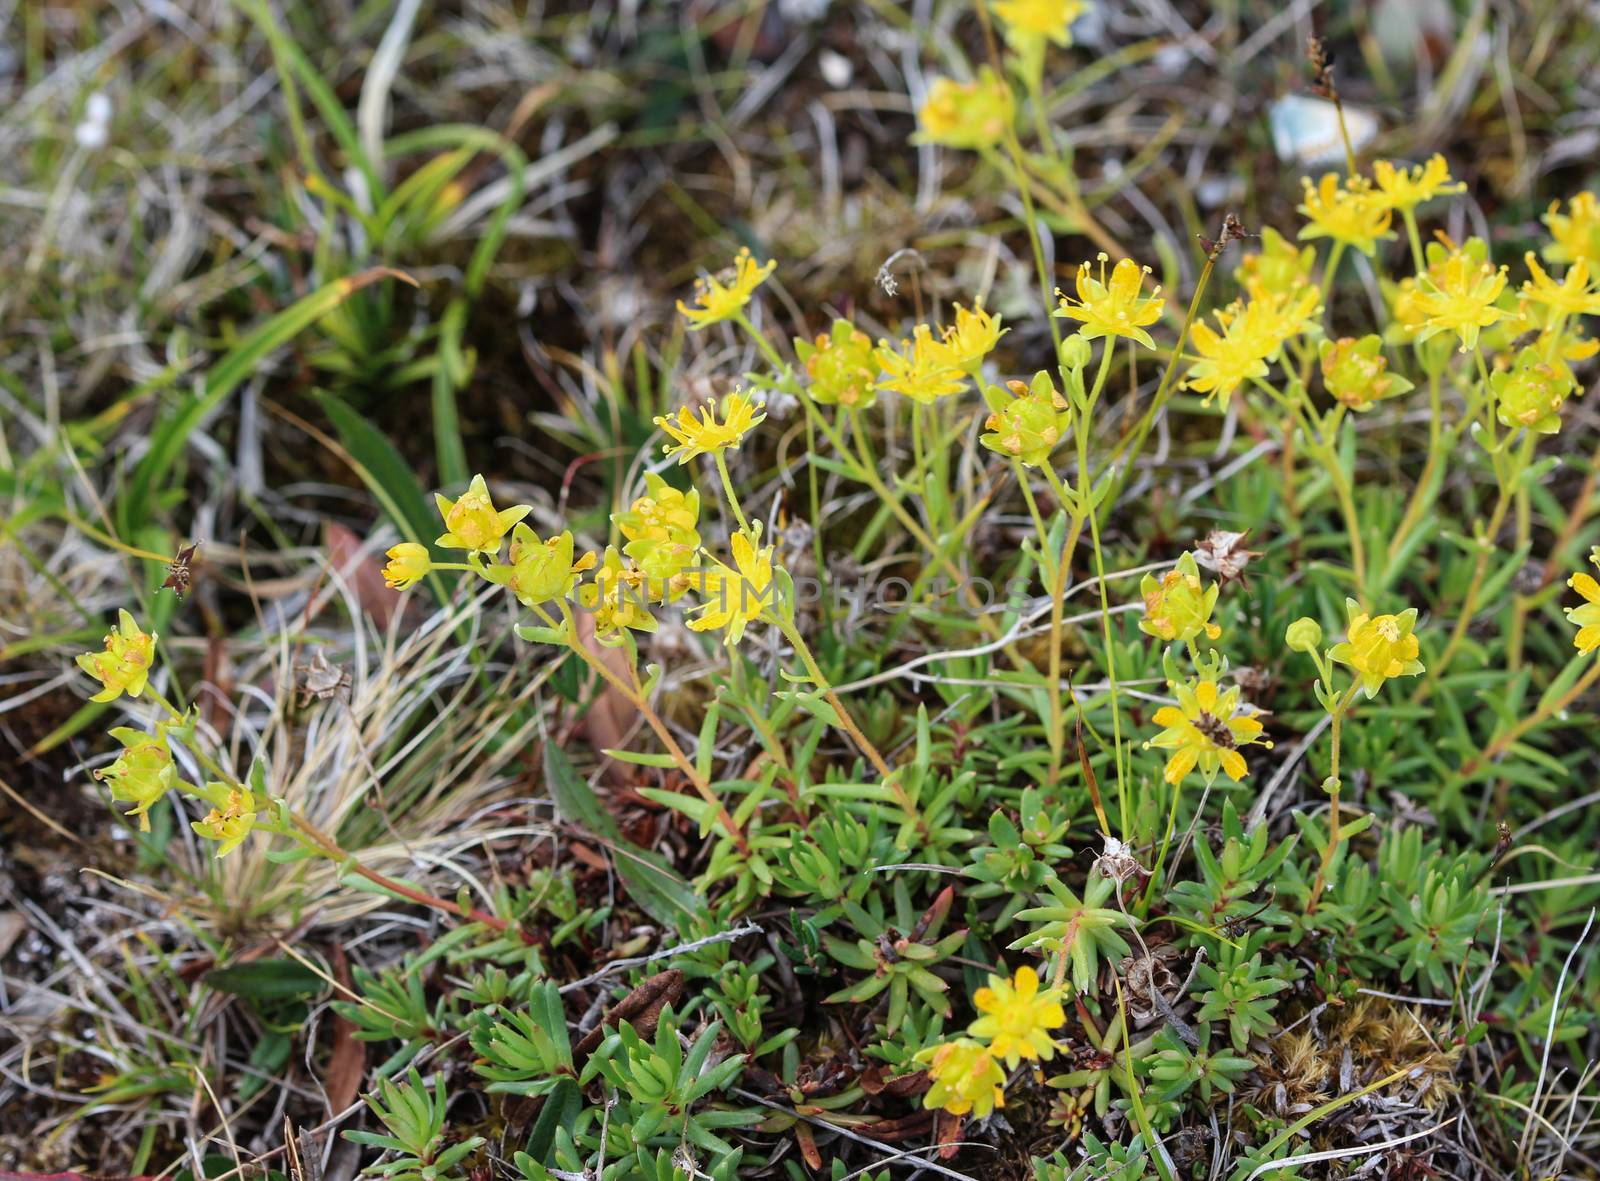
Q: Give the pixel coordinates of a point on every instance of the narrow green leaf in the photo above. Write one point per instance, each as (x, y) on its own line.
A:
(652, 883)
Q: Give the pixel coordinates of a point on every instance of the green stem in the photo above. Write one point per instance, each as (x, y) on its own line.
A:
(1501, 743)
(1422, 495)
(1134, 444)
(727, 488)
(1418, 259)
(634, 695)
(761, 342)
(1332, 785)
(848, 722)
(1335, 254)
(1087, 505)
(1508, 477)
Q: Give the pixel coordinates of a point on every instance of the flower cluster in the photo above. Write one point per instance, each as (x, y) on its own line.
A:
(1015, 1023)
(1252, 334)
(971, 115)
(124, 665)
(1027, 424)
(1116, 306)
(1356, 372)
(1206, 729)
(658, 560)
(145, 771)
(1029, 21)
(716, 301)
(1587, 615)
(841, 367)
(710, 434)
(1351, 213)
(1177, 608)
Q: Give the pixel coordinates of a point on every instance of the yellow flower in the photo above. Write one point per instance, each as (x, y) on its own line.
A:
(1278, 268)
(1405, 309)
(971, 338)
(1457, 294)
(1576, 233)
(1028, 425)
(706, 435)
(230, 823)
(408, 565)
(965, 1076)
(661, 529)
(1569, 345)
(920, 368)
(736, 598)
(1587, 616)
(1378, 647)
(1206, 729)
(618, 597)
(1017, 1016)
(841, 365)
(1349, 213)
(471, 522)
(723, 301)
(1287, 314)
(1176, 608)
(142, 773)
(1027, 19)
(1404, 188)
(1532, 392)
(124, 666)
(538, 570)
(1250, 334)
(966, 114)
(1356, 372)
(1116, 308)
(1573, 296)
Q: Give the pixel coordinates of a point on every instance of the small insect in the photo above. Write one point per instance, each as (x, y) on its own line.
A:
(1217, 730)
(1502, 844)
(1235, 927)
(179, 576)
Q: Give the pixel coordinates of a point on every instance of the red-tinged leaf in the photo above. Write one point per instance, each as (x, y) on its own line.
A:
(808, 1146)
(947, 1131)
(364, 573)
(610, 717)
(347, 1064)
(906, 1128)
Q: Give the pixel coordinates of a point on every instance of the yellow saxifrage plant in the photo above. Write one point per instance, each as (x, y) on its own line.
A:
(593, 587)
(1015, 1023)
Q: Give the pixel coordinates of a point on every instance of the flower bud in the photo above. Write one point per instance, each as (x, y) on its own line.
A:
(1304, 634)
(408, 564)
